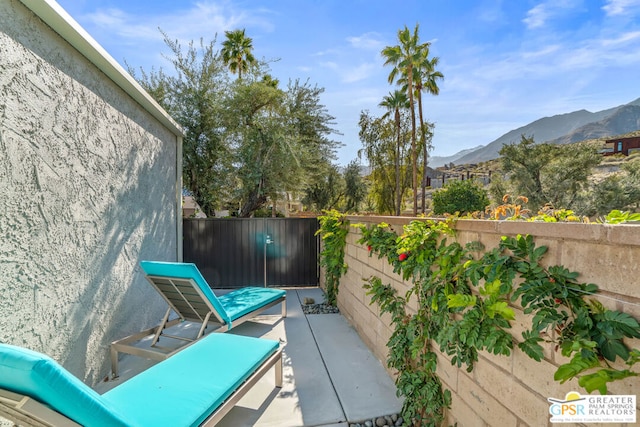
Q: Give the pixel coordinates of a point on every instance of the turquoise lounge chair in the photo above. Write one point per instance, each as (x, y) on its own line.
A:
(196, 387)
(189, 296)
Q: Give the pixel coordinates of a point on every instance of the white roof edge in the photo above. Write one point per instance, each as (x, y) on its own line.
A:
(62, 23)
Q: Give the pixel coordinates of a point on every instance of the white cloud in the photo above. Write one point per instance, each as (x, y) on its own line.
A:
(542, 52)
(326, 52)
(623, 38)
(537, 16)
(490, 12)
(186, 24)
(330, 64)
(368, 41)
(359, 73)
(123, 25)
(620, 7)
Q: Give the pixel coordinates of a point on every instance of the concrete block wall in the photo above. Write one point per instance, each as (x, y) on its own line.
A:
(90, 182)
(506, 391)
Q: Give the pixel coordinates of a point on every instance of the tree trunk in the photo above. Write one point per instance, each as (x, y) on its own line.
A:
(425, 154)
(398, 206)
(414, 154)
(274, 200)
(255, 200)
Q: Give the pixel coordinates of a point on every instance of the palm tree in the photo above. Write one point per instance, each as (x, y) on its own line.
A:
(404, 57)
(396, 101)
(237, 52)
(426, 80)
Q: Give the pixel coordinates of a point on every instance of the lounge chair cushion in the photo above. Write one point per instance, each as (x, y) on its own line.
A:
(37, 375)
(242, 301)
(183, 381)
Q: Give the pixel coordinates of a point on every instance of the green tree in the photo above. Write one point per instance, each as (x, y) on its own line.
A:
(606, 196)
(255, 130)
(498, 188)
(631, 182)
(378, 136)
(567, 175)
(427, 78)
(548, 173)
(397, 102)
(246, 141)
(355, 188)
(280, 139)
(325, 192)
(237, 52)
(404, 57)
(460, 196)
(619, 191)
(193, 96)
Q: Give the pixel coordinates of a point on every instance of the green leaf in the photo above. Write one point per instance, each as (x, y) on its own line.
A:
(610, 349)
(460, 300)
(577, 365)
(623, 323)
(530, 345)
(491, 289)
(538, 253)
(501, 308)
(598, 380)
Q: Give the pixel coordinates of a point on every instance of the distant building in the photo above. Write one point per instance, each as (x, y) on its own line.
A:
(624, 146)
(191, 208)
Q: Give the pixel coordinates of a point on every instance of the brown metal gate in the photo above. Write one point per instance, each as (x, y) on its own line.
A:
(237, 252)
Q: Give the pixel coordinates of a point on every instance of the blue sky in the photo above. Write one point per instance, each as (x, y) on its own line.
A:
(505, 63)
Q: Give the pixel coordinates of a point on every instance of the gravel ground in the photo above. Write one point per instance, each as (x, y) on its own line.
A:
(322, 308)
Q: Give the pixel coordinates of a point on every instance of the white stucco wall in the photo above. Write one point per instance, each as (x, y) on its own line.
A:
(88, 185)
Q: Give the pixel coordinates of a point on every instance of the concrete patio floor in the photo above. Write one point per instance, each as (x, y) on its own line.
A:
(330, 377)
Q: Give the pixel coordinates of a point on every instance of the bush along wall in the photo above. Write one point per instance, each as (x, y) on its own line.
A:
(333, 231)
(464, 296)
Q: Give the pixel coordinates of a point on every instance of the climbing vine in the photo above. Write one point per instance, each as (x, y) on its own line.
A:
(463, 298)
(333, 230)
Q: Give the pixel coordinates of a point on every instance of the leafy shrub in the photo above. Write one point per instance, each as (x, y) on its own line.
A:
(464, 297)
(333, 230)
(460, 196)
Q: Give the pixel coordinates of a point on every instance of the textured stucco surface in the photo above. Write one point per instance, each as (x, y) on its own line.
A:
(88, 189)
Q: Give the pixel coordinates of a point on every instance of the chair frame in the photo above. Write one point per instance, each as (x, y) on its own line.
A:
(26, 411)
(156, 352)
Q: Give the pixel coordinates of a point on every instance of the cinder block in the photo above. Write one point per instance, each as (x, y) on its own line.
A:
(462, 415)
(493, 411)
(522, 401)
(504, 362)
(521, 323)
(447, 372)
(613, 268)
(539, 376)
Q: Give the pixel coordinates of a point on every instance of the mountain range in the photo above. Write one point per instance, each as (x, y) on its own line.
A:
(559, 129)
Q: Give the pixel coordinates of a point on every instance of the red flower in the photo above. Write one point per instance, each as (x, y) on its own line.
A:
(558, 301)
(403, 256)
(369, 248)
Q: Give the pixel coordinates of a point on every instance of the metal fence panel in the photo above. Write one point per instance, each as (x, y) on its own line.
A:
(237, 252)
